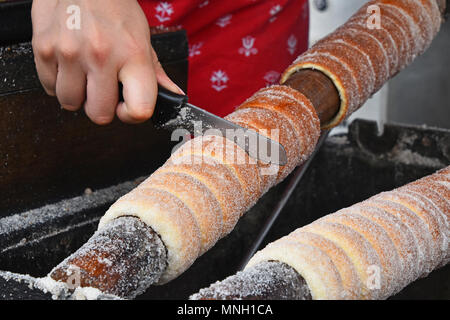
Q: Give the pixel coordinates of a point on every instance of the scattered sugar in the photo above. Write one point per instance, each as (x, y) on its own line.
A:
(12, 226)
(184, 115)
(59, 290)
(259, 282)
(408, 156)
(122, 259)
(90, 293)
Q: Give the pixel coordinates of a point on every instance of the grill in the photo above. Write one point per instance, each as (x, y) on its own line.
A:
(56, 183)
(349, 168)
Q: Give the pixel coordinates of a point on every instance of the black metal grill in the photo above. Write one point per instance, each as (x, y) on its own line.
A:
(45, 215)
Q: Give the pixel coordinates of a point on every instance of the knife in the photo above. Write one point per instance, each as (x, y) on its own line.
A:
(173, 111)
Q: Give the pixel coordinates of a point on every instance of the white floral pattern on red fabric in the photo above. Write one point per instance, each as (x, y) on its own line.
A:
(274, 11)
(163, 11)
(194, 50)
(203, 4)
(292, 44)
(236, 47)
(272, 77)
(224, 21)
(219, 80)
(248, 48)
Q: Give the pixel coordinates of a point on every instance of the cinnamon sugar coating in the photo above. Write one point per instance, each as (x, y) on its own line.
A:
(359, 57)
(378, 246)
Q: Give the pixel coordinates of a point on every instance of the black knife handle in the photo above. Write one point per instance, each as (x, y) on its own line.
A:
(164, 95)
(168, 105)
(171, 97)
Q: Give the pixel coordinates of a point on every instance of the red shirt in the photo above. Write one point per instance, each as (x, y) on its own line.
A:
(235, 46)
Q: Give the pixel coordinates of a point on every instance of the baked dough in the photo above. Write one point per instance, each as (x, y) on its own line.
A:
(398, 235)
(266, 122)
(170, 218)
(360, 59)
(296, 108)
(226, 152)
(197, 197)
(199, 194)
(220, 181)
(313, 264)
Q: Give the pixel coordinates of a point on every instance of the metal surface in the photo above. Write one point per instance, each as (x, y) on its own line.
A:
(20, 287)
(256, 145)
(447, 9)
(15, 21)
(48, 154)
(174, 113)
(45, 234)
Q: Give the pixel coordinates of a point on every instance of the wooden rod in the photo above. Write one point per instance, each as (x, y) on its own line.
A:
(123, 259)
(319, 89)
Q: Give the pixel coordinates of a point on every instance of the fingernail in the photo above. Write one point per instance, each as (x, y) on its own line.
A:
(179, 89)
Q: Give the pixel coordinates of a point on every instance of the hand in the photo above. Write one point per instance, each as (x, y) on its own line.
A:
(83, 64)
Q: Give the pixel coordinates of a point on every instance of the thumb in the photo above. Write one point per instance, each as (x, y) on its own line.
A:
(162, 78)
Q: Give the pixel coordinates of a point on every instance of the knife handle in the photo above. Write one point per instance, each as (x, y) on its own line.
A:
(164, 95)
(171, 97)
(167, 106)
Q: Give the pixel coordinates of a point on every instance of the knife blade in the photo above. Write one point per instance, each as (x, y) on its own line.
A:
(173, 111)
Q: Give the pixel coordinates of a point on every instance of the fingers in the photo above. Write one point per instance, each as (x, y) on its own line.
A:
(162, 77)
(84, 68)
(70, 86)
(47, 76)
(139, 91)
(102, 96)
(46, 67)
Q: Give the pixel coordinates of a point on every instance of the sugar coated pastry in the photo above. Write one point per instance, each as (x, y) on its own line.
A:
(199, 194)
(373, 249)
(373, 46)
